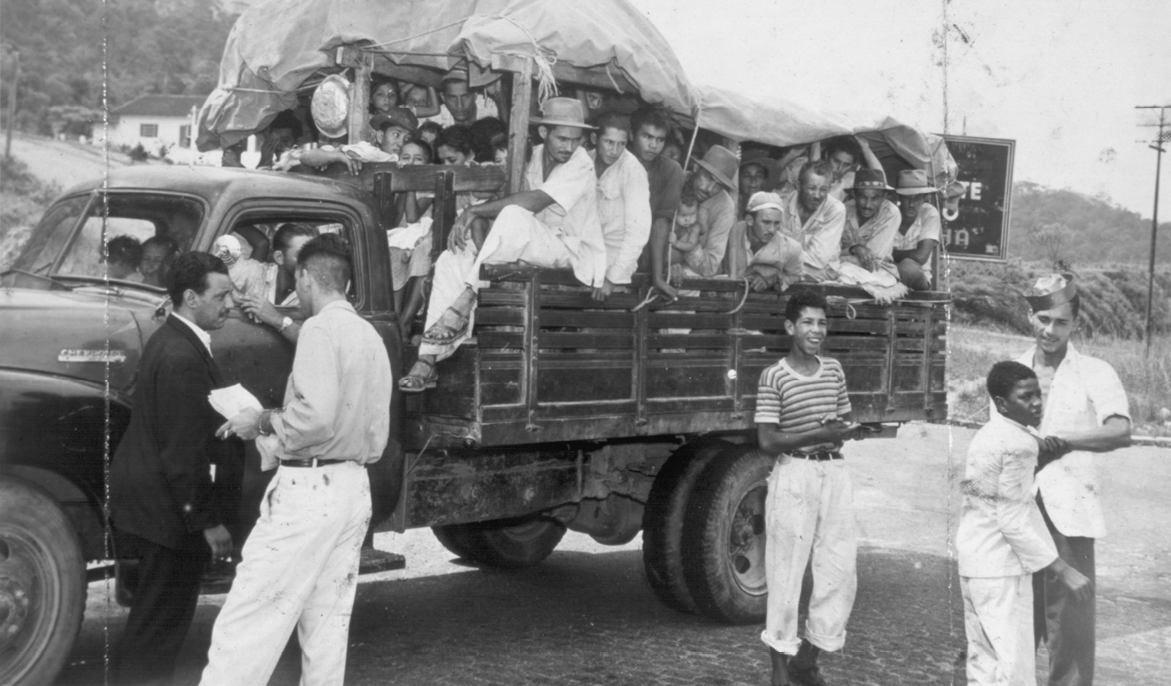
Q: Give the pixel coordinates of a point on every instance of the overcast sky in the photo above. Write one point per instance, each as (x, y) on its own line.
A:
(1061, 77)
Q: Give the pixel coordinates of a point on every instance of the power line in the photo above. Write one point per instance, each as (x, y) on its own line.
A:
(1164, 135)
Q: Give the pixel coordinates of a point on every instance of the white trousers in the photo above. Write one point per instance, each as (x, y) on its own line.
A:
(998, 618)
(809, 512)
(299, 568)
(516, 235)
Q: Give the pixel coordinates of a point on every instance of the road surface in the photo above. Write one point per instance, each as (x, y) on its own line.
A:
(587, 616)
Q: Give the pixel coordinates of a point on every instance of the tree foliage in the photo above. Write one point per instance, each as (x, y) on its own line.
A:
(1051, 226)
(68, 46)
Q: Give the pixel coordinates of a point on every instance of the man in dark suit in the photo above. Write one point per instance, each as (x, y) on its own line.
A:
(162, 500)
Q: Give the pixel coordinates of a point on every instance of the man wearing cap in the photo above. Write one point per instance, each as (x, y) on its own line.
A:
(919, 229)
(816, 220)
(758, 251)
(713, 182)
(1086, 412)
(871, 223)
(624, 201)
(552, 223)
(651, 127)
(394, 127)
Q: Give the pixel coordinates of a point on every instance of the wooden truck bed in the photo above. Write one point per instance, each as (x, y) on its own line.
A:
(591, 371)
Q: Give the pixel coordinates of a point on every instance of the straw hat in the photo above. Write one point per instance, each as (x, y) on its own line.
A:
(562, 112)
(870, 180)
(331, 106)
(914, 182)
(722, 164)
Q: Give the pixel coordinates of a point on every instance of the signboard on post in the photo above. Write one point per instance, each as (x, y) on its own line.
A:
(979, 230)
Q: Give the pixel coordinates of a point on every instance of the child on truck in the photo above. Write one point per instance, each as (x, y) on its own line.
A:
(686, 235)
(1002, 538)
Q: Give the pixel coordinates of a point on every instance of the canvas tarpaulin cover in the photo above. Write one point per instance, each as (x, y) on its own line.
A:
(276, 46)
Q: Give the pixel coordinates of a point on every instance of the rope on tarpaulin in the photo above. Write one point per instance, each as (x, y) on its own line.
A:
(543, 57)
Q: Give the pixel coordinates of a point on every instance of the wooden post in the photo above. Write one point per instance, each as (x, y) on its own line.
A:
(518, 124)
(12, 108)
(360, 102)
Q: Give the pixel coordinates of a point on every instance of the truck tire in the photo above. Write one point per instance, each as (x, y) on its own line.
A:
(505, 543)
(451, 537)
(724, 537)
(662, 522)
(42, 585)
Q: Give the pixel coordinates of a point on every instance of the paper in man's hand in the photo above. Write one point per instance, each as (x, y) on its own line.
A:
(233, 400)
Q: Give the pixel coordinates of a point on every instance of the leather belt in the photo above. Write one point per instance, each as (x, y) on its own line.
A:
(311, 462)
(819, 456)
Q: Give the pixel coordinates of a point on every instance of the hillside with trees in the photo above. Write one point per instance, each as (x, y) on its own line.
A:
(1055, 226)
(155, 46)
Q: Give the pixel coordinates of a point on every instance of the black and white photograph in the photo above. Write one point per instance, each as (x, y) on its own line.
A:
(610, 343)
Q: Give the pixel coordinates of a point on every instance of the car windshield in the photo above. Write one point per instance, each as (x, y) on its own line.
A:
(131, 237)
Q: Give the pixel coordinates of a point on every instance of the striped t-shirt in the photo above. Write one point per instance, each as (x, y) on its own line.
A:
(797, 403)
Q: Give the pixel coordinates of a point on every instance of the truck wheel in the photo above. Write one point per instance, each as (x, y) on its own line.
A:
(506, 543)
(723, 543)
(662, 522)
(451, 537)
(42, 585)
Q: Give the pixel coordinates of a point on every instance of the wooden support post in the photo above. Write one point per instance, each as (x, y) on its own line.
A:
(518, 125)
(359, 124)
(12, 108)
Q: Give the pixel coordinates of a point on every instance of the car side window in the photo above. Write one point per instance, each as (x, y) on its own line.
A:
(268, 241)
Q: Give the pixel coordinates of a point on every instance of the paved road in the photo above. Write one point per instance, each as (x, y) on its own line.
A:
(586, 616)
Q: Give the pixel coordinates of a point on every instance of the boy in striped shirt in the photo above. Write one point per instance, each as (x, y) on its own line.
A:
(802, 417)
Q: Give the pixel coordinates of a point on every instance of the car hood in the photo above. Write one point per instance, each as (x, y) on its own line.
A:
(78, 334)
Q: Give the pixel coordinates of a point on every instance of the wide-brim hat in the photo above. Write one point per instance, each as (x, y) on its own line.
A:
(870, 180)
(914, 182)
(330, 106)
(722, 164)
(562, 112)
(396, 116)
(1051, 291)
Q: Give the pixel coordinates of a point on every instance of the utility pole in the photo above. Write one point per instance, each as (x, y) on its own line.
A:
(1158, 148)
(12, 108)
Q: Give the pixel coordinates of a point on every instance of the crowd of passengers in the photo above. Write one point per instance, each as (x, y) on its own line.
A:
(605, 195)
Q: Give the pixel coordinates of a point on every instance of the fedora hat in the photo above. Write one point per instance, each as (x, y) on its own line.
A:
(870, 180)
(914, 182)
(331, 105)
(721, 164)
(397, 116)
(562, 112)
(1051, 291)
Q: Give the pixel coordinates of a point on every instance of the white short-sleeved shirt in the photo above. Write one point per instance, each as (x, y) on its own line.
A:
(574, 212)
(926, 227)
(1085, 393)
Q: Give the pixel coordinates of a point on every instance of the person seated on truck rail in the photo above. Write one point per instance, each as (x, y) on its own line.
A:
(713, 183)
(393, 128)
(871, 223)
(624, 201)
(651, 128)
(815, 219)
(919, 230)
(553, 223)
(759, 252)
(281, 136)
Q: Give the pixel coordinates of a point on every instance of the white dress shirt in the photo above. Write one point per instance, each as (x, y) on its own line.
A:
(1085, 393)
(203, 336)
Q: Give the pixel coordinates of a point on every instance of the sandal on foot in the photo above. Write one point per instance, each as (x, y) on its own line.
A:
(451, 325)
(412, 383)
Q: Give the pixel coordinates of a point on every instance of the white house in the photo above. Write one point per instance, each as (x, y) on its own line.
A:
(156, 121)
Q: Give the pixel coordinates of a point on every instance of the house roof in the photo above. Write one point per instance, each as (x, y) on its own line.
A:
(160, 105)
